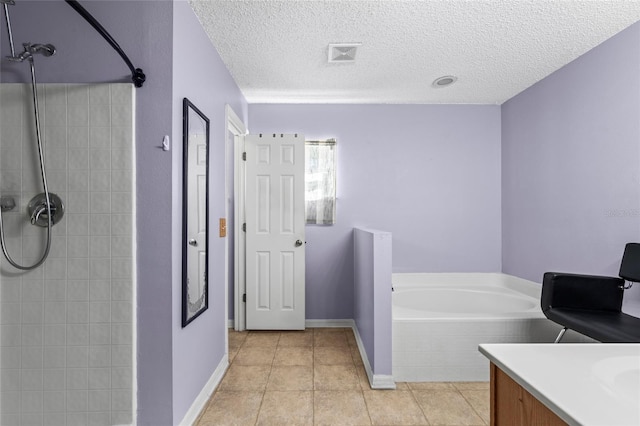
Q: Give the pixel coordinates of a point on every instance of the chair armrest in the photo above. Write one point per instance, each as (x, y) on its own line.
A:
(587, 292)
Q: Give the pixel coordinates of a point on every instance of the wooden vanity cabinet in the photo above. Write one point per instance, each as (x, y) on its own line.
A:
(512, 405)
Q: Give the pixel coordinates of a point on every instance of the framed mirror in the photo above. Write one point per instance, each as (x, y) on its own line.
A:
(195, 212)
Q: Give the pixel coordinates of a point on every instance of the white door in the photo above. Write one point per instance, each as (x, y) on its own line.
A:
(275, 250)
(197, 221)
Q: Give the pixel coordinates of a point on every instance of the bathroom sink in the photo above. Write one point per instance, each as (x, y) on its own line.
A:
(621, 376)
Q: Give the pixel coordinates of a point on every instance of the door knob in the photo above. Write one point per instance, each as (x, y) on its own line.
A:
(193, 242)
(298, 243)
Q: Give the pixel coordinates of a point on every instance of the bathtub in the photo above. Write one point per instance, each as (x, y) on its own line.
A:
(440, 319)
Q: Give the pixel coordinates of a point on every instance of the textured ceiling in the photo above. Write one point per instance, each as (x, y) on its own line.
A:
(277, 50)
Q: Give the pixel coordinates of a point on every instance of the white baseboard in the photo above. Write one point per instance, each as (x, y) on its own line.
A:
(376, 381)
(329, 323)
(231, 324)
(201, 400)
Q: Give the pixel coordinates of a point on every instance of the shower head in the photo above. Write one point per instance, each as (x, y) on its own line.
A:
(9, 2)
(31, 49)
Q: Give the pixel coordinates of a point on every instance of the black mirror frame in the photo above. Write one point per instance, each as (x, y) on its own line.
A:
(186, 107)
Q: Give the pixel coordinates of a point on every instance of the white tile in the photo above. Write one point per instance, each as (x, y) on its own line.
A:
(121, 290)
(122, 202)
(54, 94)
(31, 379)
(99, 115)
(100, 334)
(121, 158)
(121, 355)
(10, 181)
(79, 159)
(120, 224)
(100, 202)
(78, 182)
(78, 224)
(78, 94)
(121, 378)
(78, 246)
(100, 180)
(78, 202)
(10, 356)
(54, 357)
(32, 419)
(77, 312)
(10, 159)
(122, 137)
(100, 312)
(77, 356)
(99, 94)
(121, 181)
(59, 242)
(56, 115)
(32, 313)
(10, 402)
(78, 137)
(100, 137)
(121, 246)
(121, 93)
(121, 115)
(100, 224)
(78, 334)
(78, 269)
(56, 159)
(32, 335)
(121, 400)
(55, 312)
(9, 290)
(121, 334)
(55, 290)
(78, 290)
(77, 378)
(121, 268)
(10, 135)
(77, 400)
(99, 246)
(56, 419)
(10, 418)
(11, 335)
(99, 290)
(77, 419)
(53, 402)
(55, 334)
(31, 402)
(32, 357)
(32, 246)
(100, 356)
(55, 137)
(56, 269)
(100, 400)
(121, 312)
(100, 159)
(121, 417)
(9, 380)
(99, 378)
(10, 313)
(99, 269)
(77, 115)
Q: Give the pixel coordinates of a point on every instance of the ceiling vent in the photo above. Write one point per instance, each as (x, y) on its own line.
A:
(343, 52)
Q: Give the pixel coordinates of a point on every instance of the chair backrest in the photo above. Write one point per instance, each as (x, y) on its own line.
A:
(630, 265)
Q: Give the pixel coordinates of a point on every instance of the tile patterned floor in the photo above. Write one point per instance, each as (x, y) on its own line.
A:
(316, 377)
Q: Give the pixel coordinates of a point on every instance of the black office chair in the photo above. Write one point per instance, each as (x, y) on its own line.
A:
(591, 304)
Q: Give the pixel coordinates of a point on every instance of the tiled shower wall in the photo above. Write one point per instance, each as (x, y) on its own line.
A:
(66, 336)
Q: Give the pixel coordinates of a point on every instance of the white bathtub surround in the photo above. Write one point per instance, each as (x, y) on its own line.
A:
(583, 384)
(440, 319)
(67, 338)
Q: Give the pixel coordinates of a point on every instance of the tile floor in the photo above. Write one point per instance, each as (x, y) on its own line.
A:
(316, 377)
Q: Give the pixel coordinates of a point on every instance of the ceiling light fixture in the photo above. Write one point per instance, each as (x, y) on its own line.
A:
(444, 81)
(342, 52)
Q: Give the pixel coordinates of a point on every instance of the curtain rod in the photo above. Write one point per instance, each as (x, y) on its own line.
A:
(137, 75)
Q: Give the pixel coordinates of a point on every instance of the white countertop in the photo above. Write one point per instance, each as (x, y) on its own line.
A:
(584, 384)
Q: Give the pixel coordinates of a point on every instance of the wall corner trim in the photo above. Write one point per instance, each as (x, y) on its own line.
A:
(203, 397)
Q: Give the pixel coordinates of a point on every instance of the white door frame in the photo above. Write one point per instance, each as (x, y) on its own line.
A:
(238, 129)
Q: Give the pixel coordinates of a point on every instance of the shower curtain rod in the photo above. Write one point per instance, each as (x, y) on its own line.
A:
(137, 76)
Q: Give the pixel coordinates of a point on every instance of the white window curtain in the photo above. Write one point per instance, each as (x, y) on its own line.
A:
(320, 182)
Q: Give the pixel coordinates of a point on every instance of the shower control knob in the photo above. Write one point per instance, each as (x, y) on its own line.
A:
(298, 243)
(193, 242)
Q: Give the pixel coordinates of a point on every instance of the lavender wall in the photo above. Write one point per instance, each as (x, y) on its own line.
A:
(200, 347)
(144, 30)
(372, 294)
(430, 174)
(570, 159)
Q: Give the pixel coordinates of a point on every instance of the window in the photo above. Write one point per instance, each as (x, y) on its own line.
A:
(320, 181)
